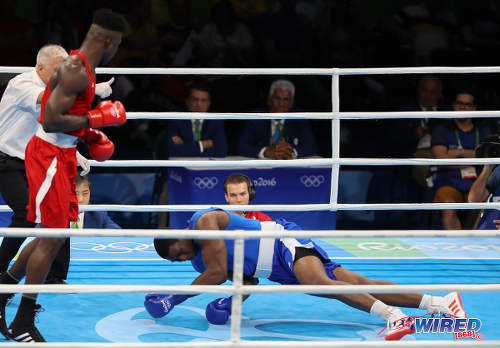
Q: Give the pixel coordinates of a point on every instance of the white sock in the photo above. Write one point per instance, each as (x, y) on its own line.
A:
(429, 301)
(426, 301)
(381, 310)
(378, 309)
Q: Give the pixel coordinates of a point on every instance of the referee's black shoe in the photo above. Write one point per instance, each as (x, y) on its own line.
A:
(27, 332)
(4, 300)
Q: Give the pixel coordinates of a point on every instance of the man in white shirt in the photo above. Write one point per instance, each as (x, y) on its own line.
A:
(19, 109)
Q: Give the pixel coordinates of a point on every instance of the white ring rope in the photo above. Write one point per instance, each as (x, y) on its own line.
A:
(294, 163)
(282, 71)
(210, 234)
(284, 207)
(247, 289)
(144, 115)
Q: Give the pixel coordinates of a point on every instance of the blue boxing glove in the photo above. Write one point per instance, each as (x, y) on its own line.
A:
(218, 311)
(159, 305)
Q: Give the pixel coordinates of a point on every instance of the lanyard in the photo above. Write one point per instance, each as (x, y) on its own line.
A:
(458, 138)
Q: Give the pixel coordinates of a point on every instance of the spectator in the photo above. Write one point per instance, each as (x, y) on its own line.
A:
(427, 27)
(19, 36)
(91, 219)
(478, 33)
(284, 39)
(240, 190)
(456, 138)
(342, 35)
(196, 138)
(278, 139)
(412, 137)
(174, 28)
(223, 42)
(140, 39)
(63, 23)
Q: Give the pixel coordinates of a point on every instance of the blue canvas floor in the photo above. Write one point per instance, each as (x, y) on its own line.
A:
(122, 318)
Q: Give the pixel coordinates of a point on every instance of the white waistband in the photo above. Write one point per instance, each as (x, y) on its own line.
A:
(57, 139)
(266, 250)
(265, 260)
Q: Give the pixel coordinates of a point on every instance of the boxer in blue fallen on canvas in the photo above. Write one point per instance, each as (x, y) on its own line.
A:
(285, 261)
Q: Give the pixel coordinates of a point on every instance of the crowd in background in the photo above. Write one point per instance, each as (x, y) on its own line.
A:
(279, 34)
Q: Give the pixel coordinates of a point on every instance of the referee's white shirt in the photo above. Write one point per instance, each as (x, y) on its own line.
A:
(19, 112)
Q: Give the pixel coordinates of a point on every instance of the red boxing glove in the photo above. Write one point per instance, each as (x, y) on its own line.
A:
(106, 114)
(101, 148)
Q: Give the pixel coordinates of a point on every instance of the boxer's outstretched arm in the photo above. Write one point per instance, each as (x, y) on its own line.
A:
(214, 254)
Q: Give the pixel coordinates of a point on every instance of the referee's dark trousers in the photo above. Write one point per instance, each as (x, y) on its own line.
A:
(14, 190)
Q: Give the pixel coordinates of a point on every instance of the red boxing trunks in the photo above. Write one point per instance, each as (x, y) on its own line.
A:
(51, 172)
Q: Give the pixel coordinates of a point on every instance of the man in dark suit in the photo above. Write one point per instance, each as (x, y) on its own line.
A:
(191, 138)
(411, 135)
(196, 138)
(278, 139)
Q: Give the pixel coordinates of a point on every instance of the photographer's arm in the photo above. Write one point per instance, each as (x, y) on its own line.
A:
(478, 191)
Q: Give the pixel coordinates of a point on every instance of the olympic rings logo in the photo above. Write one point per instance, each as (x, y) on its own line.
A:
(312, 180)
(205, 183)
(114, 248)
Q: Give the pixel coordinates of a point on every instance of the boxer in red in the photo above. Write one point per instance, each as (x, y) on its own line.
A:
(50, 160)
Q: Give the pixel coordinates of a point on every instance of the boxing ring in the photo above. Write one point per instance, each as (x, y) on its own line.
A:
(111, 270)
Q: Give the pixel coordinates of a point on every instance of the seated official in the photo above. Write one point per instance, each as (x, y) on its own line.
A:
(90, 219)
(192, 138)
(196, 138)
(286, 261)
(277, 139)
